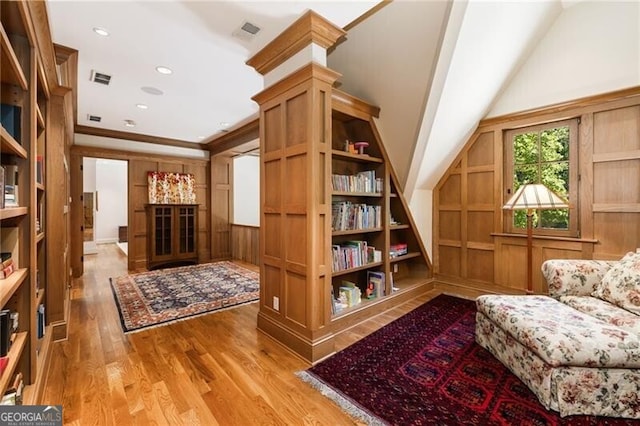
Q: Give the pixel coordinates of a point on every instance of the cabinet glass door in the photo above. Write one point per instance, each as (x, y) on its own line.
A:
(163, 231)
(187, 229)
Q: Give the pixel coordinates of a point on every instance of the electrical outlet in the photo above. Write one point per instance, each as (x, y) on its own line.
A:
(276, 303)
(395, 268)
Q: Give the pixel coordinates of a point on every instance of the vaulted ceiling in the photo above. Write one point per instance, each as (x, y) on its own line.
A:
(434, 67)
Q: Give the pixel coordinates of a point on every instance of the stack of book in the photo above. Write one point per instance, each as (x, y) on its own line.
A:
(350, 295)
(13, 394)
(7, 267)
(396, 250)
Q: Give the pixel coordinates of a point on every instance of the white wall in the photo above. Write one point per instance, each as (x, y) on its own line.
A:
(592, 48)
(421, 205)
(111, 184)
(246, 190)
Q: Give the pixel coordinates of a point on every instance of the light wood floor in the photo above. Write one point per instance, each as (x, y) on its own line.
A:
(210, 370)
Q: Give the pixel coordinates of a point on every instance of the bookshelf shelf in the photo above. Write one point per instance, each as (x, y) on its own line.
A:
(359, 268)
(40, 186)
(11, 69)
(12, 212)
(10, 285)
(14, 357)
(357, 194)
(356, 231)
(410, 255)
(10, 145)
(337, 154)
(397, 227)
(40, 237)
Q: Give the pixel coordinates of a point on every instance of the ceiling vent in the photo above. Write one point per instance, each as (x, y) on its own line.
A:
(99, 77)
(247, 31)
(95, 118)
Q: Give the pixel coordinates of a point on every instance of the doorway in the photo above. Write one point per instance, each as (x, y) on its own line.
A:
(104, 202)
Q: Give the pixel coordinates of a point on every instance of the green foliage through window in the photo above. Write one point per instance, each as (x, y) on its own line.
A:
(542, 157)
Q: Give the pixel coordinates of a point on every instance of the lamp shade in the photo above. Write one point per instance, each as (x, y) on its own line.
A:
(535, 196)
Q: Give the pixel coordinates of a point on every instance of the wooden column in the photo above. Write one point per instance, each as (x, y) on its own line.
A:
(295, 227)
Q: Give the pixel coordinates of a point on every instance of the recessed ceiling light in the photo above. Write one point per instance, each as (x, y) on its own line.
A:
(151, 90)
(142, 106)
(100, 31)
(164, 70)
(223, 124)
(129, 123)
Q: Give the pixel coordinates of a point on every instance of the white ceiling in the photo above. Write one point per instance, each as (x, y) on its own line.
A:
(210, 84)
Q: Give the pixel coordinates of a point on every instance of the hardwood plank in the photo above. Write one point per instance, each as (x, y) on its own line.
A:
(210, 370)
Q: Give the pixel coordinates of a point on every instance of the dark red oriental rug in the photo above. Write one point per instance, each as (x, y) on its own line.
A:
(426, 369)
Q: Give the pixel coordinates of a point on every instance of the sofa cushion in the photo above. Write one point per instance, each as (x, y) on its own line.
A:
(621, 284)
(604, 311)
(559, 334)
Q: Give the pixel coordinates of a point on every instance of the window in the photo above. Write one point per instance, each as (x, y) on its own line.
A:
(548, 154)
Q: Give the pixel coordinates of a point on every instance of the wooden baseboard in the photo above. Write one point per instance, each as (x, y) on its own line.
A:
(471, 289)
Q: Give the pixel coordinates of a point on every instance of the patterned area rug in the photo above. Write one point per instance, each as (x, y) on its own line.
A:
(159, 297)
(425, 369)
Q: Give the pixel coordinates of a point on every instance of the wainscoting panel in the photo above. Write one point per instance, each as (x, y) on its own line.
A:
(245, 244)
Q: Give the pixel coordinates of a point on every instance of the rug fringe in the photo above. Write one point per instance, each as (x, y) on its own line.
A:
(201, 314)
(343, 402)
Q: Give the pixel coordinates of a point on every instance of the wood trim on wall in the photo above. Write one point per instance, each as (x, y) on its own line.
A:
(92, 151)
(533, 114)
(235, 138)
(116, 134)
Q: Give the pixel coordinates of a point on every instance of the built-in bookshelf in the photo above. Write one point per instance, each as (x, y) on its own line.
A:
(25, 98)
(321, 154)
(394, 253)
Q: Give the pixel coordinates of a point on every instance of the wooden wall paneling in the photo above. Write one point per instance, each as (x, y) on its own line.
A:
(245, 243)
(77, 208)
(585, 188)
(138, 198)
(202, 178)
(221, 172)
(54, 223)
(609, 153)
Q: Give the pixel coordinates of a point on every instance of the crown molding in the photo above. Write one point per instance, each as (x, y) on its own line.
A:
(309, 28)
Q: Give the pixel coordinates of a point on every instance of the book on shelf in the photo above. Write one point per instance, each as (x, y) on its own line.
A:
(13, 394)
(365, 181)
(40, 169)
(1, 187)
(41, 321)
(10, 185)
(396, 250)
(350, 254)
(5, 331)
(4, 361)
(346, 216)
(10, 119)
(375, 284)
(350, 294)
(10, 244)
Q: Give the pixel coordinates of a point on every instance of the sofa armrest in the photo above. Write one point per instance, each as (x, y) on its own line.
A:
(574, 276)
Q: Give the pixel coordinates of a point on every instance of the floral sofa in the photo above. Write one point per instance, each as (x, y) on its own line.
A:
(577, 349)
